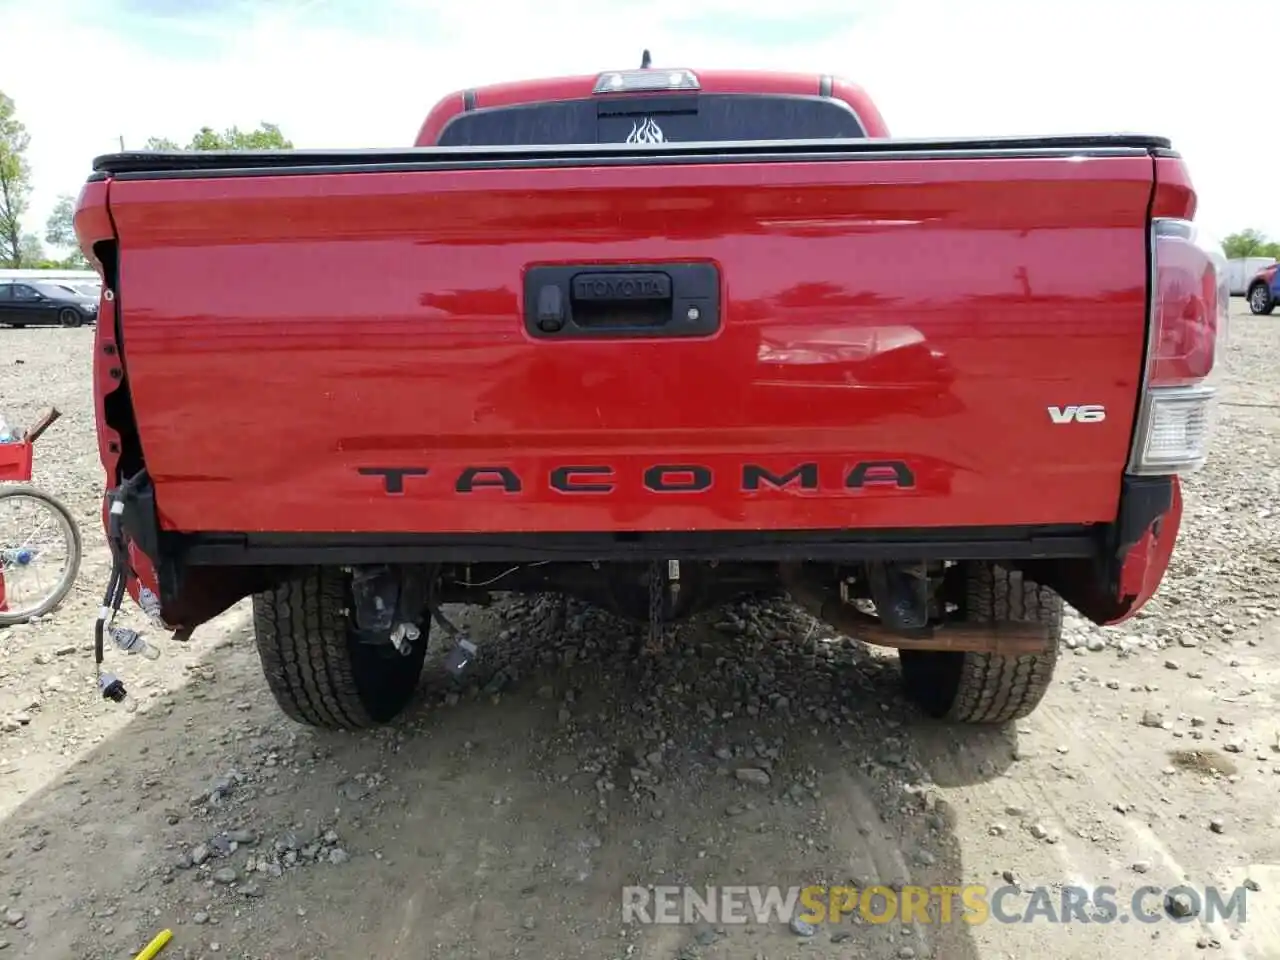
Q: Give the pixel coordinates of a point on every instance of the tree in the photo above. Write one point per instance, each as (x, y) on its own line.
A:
(266, 137)
(60, 231)
(1250, 243)
(31, 255)
(15, 183)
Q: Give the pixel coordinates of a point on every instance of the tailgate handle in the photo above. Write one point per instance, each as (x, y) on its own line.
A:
(577, 301)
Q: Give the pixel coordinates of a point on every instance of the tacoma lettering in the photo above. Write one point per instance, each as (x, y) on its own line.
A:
(502, 477)
(677, 478)
(880, 473)
(393, 477)
(576, 479)
(753, 475)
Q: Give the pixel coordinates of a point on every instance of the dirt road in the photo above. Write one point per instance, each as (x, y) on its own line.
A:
(503, 817)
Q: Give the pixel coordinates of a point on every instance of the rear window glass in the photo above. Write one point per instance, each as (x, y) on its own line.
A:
(661, 119)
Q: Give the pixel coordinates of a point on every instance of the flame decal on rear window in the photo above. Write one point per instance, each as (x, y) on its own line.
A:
(647, 132)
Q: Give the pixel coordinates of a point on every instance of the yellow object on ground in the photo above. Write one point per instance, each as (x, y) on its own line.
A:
(155, 946)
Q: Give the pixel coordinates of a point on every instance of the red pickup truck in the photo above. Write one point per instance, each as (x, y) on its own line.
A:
(653, 338)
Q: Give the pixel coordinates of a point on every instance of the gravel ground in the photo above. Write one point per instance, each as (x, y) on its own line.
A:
(503, 817)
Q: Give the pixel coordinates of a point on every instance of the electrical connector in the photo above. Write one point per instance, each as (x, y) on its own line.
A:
(112, 688)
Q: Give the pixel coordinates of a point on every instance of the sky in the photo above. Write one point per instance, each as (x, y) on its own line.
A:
(341, 73)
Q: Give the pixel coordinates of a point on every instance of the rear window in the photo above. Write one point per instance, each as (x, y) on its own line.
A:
(655, 119)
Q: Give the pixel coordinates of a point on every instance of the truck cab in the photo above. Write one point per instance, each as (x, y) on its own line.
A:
(654, 105)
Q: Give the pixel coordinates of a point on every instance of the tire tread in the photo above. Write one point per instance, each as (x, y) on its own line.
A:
(302, 639)
(994, 688)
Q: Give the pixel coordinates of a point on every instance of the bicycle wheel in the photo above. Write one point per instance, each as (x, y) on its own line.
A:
(36, 532)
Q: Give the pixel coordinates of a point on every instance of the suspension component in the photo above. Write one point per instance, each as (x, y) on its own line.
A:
(900, 592)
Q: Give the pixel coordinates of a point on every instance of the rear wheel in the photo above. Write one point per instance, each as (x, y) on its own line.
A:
(983, 687)
(1260, 299)
(318, 671)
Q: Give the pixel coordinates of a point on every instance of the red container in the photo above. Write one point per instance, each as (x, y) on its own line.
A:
(15, 462)
(15, 465)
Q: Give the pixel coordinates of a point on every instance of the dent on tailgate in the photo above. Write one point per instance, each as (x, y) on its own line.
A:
(291, 339)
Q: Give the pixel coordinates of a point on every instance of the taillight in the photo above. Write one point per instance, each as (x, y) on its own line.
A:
(1190, 305)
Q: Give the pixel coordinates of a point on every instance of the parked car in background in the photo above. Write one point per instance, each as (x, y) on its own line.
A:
(35, 304)
(1264, 289)
(1242, 270)
(92, 290)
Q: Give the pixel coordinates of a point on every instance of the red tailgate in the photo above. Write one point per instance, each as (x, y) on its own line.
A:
(291, 339)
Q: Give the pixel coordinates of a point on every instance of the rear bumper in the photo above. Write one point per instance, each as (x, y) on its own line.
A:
(954, 543)
(1106, 571)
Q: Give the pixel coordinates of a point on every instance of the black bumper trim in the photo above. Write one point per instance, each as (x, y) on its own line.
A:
(950, 543)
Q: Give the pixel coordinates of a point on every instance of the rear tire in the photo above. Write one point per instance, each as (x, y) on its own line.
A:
(317, 670)
(983, 687)
(1261, 302)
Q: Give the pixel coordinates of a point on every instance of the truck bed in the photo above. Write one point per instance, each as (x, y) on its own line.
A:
(343, 342)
